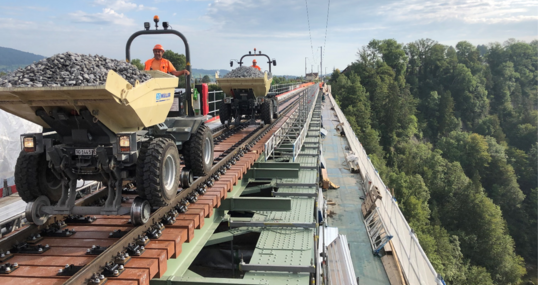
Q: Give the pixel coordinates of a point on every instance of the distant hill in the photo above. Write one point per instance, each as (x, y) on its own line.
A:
(199, 73)
(11, 59)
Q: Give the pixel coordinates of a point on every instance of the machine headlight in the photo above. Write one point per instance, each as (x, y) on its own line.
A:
(125, 144)
(29, 144)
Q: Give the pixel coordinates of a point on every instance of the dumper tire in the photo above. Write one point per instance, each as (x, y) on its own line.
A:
(160, 172)
(34, 178)
(275, 107)
(267, 111)
(139, 178)
(198, 151)
(224, 112)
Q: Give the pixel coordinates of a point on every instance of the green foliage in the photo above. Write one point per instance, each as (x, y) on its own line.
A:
(491, 126)
(179, 62)
(2, 73)
(470, 197)
(136, 62)
(214, 87)
(413, 197)
(206, 79)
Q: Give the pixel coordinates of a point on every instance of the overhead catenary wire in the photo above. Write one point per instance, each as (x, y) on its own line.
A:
(326, 26)
(309, 30)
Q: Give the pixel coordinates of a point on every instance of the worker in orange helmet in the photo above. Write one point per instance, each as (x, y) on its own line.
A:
(256, 66)
(162, 64)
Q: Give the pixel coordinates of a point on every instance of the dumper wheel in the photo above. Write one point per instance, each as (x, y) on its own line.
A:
(160, 172)
(140, 169)
(267, 111)
(198, 151)
(34, 178)
(275, 110)
(33, 211)
(224, 112)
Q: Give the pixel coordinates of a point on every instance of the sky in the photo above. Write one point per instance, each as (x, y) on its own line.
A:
(286, 30)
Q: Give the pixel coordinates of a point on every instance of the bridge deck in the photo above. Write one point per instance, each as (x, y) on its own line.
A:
(348, 217)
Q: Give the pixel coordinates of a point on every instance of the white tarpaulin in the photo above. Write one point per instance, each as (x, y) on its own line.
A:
(11, 127)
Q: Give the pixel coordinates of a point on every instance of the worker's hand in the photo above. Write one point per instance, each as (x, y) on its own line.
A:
(185, 72)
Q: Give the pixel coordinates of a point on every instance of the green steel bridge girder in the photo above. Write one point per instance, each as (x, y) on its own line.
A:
(256, 204)
(175, 280)
(270, 171)
(226, 236)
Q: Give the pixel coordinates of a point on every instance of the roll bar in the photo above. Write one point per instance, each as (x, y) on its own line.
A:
(255, 54)
(187, 54)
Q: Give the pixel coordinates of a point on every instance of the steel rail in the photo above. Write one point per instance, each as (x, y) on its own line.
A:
(84, 275)
(7, 242)
(10, 240)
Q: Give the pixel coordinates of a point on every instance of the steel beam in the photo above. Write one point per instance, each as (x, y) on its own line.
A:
(266, 267)
(257, 189)
(221, 237)
(296, 185)
(234, 224)
(289, 165)
(282, 173)
(289, 194)
(310, 167)
(175, 280)
(256, 204)
(178, 266)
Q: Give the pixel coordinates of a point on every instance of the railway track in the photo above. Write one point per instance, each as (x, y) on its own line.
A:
(98, 249)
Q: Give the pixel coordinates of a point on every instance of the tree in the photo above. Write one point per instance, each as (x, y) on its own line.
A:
(179, 63)
(178, 60)
(470, 96)
(136, 62)
(470, 197)
(206, 79)
(491, 126)
(447, 121)
(413, 197)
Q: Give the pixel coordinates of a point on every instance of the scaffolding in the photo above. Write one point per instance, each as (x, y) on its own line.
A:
(287, 142)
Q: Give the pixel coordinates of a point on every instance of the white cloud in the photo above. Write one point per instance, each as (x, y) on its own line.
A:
(142, 7)
(122, 5)
(108, 16)
(468, 11)
(10, 23)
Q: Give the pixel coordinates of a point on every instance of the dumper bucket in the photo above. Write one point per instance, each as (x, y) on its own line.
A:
(119, 105)
(260, 86)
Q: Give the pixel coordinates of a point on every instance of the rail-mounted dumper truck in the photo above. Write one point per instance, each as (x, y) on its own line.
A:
(248, 96)
(110, 133)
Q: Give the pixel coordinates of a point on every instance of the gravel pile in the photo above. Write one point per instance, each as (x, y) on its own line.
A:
(245, 72)
(71, 69)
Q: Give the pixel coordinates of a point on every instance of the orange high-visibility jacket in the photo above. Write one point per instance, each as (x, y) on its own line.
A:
(257, 67)
(163, 65)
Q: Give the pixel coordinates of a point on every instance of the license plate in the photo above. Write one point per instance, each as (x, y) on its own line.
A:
(84, 151)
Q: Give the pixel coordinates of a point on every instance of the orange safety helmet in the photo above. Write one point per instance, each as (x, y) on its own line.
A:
(254, 61)
(158, 47)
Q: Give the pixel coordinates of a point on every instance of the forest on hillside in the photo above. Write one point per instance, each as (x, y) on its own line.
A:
(453, 131)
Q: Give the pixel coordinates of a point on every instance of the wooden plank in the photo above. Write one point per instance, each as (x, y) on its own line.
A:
(141, 276)
(160, 256)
